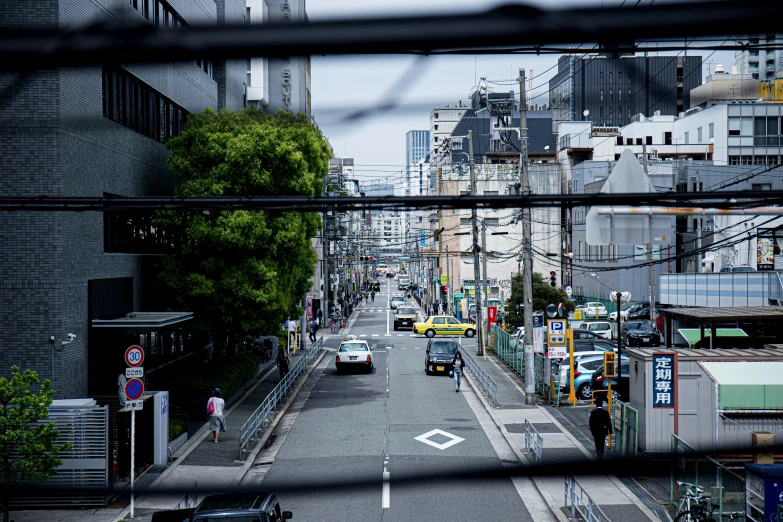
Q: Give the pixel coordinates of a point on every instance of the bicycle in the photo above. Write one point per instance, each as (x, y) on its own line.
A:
(693, 506)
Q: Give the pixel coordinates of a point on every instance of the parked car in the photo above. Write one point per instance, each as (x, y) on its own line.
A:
(625, 313)
(439, 355)
(444, 325)
(354, 353)
(641, 333)
(519, 333)
(594, 345)
(581, 333)
(583, 371)
(738, 268)
(403, 282)
(404, 316)
(602, 328)
(600, 383)
(256, 507)
(596, 310)
(397, 300)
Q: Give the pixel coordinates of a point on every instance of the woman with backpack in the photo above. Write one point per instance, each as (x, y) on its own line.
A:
(217, 422)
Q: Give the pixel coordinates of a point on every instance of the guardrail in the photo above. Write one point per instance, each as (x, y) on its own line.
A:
(581, 503)
(533, 442)
(261, 418)
(487, 384)
(190, 500)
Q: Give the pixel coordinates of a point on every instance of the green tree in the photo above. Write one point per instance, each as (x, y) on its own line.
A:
(27, 446)
(243, 271)
(543, 295)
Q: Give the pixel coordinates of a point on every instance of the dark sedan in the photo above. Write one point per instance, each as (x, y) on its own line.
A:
(439, 355)
(600, 384)
(641, 333)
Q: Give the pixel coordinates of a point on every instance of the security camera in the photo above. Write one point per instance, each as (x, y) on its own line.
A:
(71, 337)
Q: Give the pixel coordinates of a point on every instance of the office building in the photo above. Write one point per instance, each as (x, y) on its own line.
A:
(609, 91)
(96, 131)
(442, 123)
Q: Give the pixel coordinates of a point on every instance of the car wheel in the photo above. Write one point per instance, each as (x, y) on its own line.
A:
(430, 333)
(585, 391)
(337, 369)
(470, 333)
(395, 327)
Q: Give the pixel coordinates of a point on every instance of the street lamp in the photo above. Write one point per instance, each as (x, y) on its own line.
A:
(619, 336)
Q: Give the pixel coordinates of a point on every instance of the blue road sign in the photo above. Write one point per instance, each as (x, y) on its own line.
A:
(421, 237)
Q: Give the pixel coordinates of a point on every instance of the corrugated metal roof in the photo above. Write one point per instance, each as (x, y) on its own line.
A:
(728, 313)
(772, 352)
(747, 385)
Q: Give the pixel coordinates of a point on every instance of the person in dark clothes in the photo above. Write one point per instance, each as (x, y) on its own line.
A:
(458, 365)
(282, 361)
(600, 427)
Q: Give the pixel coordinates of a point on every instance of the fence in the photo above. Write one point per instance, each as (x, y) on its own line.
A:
(262, 416)
(724, 485)
(509, 349)
(581, 503)
(625, 442)
(533, 442)
(487, 384)
(190, 500)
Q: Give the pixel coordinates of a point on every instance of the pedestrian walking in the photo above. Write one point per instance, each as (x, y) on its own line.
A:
(291, 331)
(217, 422)
(458, 364)
(282, 362)
(600, 427)
(435, 308)
(311, 330)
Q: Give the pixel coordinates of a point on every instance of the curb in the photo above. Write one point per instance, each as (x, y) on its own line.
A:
(273, 426)
(522, 457)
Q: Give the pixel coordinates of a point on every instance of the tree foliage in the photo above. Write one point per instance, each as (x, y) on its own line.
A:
(238, 270)
(543, 295)
(28, 452)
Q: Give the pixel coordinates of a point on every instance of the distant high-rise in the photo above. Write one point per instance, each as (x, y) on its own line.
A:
(762, 64)
(613, 90)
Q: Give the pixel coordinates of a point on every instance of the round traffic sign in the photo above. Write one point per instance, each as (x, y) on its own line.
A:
(561, 311)
(134, 389)
(551, 311)
(134, 356)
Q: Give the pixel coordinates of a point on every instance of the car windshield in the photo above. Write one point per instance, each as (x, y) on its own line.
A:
(398, 298)
(353, 347)
(405, 311)
(639, 326)
(443, 347)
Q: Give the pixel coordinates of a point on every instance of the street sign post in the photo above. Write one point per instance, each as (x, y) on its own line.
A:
(134, 356)
(134, 405)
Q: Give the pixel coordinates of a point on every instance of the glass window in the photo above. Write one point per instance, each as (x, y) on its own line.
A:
(772, 125)
(746, 128)
(711, 131)
(687, 138)
(453, 321)
(760, 126)
(602, 77)
(698, 135)
(439, 320)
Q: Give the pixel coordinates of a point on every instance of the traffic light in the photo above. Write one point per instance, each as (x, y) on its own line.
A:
(366, 258)
(553, 279)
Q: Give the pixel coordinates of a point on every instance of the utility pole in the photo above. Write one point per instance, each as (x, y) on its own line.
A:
(650, 268)
(484, 273)
(325, 279)
(527, 254)
(446, 299)
(476, 267)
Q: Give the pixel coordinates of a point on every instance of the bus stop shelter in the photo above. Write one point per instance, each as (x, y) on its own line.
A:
(762, 324)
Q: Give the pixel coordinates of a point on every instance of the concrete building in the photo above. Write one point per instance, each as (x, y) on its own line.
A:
(278, 83)
(760, 63)
(612, 90)
(442, 123)
(417, 148)
(80, 132)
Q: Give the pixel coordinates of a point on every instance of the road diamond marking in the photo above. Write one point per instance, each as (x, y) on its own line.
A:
(425, 439)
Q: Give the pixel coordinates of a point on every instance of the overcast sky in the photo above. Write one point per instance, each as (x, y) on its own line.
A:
(342, 84)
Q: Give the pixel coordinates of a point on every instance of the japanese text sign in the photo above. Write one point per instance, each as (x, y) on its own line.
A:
(664, 379)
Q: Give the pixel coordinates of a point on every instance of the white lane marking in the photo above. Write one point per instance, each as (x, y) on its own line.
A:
(387, 322)
(404, 347)
(400, 335)
(388, 347)
(417, 348)
(375, 335)
(425, 439)
(363, 335)
(411, 335)
(387, 335)
(386, 493)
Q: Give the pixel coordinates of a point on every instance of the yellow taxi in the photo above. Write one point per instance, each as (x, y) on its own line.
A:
(444, 325)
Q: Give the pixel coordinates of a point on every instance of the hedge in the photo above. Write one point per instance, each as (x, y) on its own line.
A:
(229, 376)
(176, 428)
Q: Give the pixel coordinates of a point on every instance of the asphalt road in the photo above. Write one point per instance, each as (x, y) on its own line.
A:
(358, 426)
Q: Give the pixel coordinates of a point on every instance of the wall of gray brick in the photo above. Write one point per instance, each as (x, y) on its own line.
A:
(55, 141)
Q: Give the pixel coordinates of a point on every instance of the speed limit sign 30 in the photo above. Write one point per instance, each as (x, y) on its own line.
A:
(134, 356)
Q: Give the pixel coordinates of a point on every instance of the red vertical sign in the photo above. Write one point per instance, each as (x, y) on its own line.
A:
(492, 314)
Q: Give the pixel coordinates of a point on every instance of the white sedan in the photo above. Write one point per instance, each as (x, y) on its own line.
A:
(597, 310)
(354, 353)
(623, 314)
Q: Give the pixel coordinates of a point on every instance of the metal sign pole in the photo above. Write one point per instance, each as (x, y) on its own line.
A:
(133, 458)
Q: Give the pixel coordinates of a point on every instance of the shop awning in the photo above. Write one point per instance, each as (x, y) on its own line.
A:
(693, 335)
(144, 320)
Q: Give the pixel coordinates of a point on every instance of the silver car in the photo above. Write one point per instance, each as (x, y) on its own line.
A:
(355, 354)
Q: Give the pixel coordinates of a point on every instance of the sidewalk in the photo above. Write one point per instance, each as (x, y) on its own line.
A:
(614, 498)
(200, 461)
